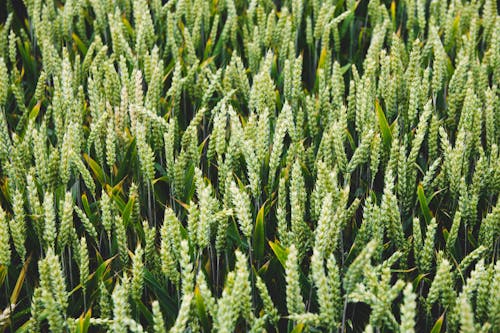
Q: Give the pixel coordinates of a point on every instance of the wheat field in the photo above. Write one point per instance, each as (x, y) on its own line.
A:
(249, 166)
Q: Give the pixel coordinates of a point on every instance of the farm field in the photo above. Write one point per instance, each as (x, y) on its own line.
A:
(249, 166)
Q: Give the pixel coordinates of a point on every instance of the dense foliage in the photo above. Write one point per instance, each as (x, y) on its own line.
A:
(230, 165)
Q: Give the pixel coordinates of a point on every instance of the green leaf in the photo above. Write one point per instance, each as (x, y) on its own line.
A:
(437, 326)
(3, 274)
(127, 211)
(200, 309)
(279, 251)
(128, 26)
(345, 68)
(34, 112)
(86, 206)
(19, 283)
(208, 48)
(385, 130)
(104, 269)
(96, 169)
(446, 233)
(164, 179)
(234, 235)
(258, 234)
(144, 311)
(417, 280)
(424, 204)
(114, 194)
(263, 269)
(81, 46)
(84, 322)
(322, 57)
(299, 328)
(26, 54)
(126, 163)
(393, 14)
(349, 137)
(160, 291)
(346, 23)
